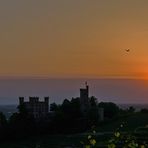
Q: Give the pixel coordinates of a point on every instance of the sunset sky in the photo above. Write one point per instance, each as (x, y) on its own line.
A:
(74, 38)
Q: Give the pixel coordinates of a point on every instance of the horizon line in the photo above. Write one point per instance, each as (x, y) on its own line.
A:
(86, 78)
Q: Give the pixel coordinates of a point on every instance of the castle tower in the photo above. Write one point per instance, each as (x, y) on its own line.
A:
(84, 99)
(46, 100)
(84, 94)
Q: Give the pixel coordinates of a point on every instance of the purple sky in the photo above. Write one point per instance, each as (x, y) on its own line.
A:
(115, 90)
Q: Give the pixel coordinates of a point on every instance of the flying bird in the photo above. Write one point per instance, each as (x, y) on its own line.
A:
(127, 50)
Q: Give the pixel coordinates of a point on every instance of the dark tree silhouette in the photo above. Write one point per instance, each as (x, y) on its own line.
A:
(131, 109)
(93, 101)
(53, 107)
(110, 109)
(3, 120)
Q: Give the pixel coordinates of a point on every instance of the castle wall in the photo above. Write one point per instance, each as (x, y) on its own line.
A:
(35, 107)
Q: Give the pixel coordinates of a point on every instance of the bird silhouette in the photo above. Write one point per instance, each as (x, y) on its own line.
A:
(127, 50)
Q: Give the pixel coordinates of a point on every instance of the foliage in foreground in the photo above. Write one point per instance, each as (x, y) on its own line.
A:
(118, 140)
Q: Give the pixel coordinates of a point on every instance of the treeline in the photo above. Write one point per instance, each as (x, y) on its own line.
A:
(65, 118)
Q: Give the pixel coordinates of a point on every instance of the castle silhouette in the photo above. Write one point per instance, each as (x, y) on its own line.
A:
(40, 109)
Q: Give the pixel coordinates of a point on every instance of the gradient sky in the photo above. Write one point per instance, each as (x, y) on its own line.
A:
(74, 38)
